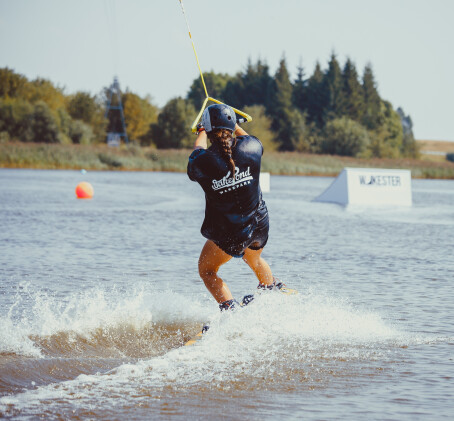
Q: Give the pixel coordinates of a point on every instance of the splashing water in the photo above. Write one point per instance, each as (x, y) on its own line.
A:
(112, 347)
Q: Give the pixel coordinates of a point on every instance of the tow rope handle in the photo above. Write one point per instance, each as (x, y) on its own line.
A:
(208, 98)
(246, 116)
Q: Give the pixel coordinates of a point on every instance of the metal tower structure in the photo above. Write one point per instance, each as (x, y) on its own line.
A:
(114, 136)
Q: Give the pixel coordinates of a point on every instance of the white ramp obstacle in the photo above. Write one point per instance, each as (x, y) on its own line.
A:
(264, 181)
(369, 186)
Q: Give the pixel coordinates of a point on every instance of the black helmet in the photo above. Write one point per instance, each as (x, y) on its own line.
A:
(218, 116)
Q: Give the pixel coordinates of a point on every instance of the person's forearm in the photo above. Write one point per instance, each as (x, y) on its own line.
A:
(239, 131)
(201, 141)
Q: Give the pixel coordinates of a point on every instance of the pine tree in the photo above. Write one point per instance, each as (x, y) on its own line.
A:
(287, 123)
(372, 101)
(299, 95)
(234, 92)
(409, 146)
(280, 93)
(353, 92)
(256, 82)
(314, 97)
(215, 84)
(332, 90)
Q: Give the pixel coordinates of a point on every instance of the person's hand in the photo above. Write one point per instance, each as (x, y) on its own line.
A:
(199, 128)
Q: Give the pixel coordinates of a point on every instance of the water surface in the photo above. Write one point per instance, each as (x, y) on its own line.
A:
(97, 297)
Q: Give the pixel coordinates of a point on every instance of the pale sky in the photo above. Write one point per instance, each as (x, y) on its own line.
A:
(82, 44)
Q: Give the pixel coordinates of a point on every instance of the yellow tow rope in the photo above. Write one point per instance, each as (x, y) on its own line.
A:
(208, 98)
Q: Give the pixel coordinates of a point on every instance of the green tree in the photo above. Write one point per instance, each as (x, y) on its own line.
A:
(139, 113)
(314, 97)
(234, 92)
(386, 140)
(215, 84)
(409, 146)
(372, 101)
(256, 84)
(12, 84)
(280, 108)
(260, 126)
(15, 118)
(81, 133)
(42, 90)
(90, 109)
(82, 106)
(250, 87)
(353, 92)
(332, 90)
(288, 123)
(173, 129)
(64, 123)
(343, 136)
(299, 94)
(44, 126)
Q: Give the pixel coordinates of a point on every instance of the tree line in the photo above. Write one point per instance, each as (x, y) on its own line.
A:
(333, 111)
(39, 111)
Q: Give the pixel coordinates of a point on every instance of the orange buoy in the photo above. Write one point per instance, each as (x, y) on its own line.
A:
(84, 190)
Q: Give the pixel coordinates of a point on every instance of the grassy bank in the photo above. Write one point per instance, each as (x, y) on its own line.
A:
(133, 158)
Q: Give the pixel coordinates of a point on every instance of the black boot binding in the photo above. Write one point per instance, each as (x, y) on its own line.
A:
(228, 305)
(277, 284)
(247, 299)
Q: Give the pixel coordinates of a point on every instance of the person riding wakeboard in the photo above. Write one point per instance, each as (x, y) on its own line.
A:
(236, 220)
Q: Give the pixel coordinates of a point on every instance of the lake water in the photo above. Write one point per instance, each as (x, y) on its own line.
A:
(98, 296)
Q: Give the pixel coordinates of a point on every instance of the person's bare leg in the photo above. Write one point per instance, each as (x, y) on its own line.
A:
(211, 259)
(261, 269)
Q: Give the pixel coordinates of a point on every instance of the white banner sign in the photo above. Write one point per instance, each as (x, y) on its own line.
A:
(370, 186)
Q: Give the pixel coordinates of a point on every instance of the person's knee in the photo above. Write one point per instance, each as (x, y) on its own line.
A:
(206, 271)
(208, 276)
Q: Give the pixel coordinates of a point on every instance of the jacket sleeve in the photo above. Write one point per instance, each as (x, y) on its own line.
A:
(260, 143)
(194, 172)
(253, 144)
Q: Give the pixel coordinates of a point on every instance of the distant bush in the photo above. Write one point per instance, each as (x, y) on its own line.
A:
(172, 129)
(343, 136)
(109, 160)
(81, 133)
(153, 156)
(15, 118)
(44, 125)
(30, 123)
(4, 137)
(260, 126)
(450, 157)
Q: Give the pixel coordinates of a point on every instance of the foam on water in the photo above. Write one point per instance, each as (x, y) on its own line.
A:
(81, 314)
(276, 339)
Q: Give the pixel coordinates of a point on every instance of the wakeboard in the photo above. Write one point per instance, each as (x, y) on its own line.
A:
(247, 299)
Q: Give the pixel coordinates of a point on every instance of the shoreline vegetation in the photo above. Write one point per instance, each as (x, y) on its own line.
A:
(309, 125)
(134, 158)
(334, 111)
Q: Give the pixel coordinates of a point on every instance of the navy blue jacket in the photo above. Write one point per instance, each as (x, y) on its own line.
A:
(231, 203)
